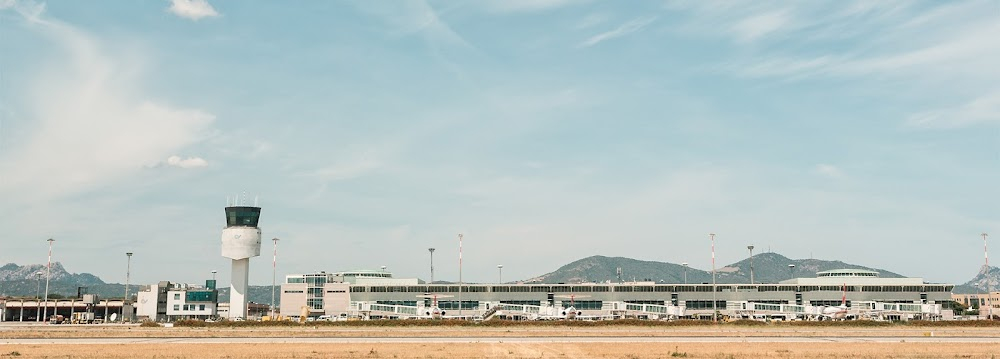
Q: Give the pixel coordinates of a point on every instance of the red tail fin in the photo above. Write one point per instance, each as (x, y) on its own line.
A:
(843, 300)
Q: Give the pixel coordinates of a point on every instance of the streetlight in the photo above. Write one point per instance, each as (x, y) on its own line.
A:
(432, 264)
(750, 247)
(383, 268)
(128, 273)
(715, 308)
(459, 274)
(274, 271)
(48, 274)
(500, 275)
(685, 264)
(986, 274)
(38, 302)
(213, 275)
(791, 271)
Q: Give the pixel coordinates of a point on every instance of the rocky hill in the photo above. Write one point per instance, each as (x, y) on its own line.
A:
(978, 284)
(14, 272)
(22, 282)
(768, 268)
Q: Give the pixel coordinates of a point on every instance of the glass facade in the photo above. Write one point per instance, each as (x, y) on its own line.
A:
(201, 296)
(242, 216)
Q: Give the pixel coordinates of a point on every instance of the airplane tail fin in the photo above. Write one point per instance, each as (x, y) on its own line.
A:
(843, 299)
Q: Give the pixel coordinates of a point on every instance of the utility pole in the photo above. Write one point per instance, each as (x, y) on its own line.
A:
(750, 247)
(715, 308)
(48, 274)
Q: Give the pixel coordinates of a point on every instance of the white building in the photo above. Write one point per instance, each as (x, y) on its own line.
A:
(167, 302)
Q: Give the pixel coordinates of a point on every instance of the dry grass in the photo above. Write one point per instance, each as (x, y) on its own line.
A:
(46, 332)
(510, 350)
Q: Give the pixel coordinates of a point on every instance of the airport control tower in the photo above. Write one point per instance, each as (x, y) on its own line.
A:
(240, 241)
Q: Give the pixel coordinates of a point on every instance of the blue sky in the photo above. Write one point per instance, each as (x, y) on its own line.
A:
(545, 131)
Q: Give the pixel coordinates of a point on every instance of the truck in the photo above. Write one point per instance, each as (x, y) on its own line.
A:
(83, 318)
(57, 319)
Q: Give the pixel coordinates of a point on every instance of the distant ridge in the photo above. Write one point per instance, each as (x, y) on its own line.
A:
(978, 284)
(768, 268)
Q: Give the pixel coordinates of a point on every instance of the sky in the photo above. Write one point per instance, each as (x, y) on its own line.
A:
(544, 131)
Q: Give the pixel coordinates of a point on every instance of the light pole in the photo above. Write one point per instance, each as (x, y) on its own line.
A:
(38, 302)
(500, 275)
(213, 276)
(986, 274)
(715, 308)
(750, 247)
(459, 274)
(791, 271)
(685, 264)
(432, 264)
(48, 274)
(274, 275)
(128, 273)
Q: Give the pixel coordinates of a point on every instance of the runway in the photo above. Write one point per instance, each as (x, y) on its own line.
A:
(519, 340)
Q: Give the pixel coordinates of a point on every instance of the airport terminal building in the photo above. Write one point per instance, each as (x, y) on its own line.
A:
(375, 294)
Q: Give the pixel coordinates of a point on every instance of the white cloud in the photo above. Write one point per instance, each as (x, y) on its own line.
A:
(982, 109)
(190, 162)
(192, 9)
(625, 29)
(760, 25)
(4, 4)
(829, 170)
(513, 6)
(89, 121)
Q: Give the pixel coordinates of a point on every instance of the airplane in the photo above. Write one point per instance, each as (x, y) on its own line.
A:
(435, 312)
(836, 312)
(568, 312)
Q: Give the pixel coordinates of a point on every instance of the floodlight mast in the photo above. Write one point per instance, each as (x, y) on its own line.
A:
(432, 264)
(459, 274)
(48, 274)
(715, 309)
(986, 274)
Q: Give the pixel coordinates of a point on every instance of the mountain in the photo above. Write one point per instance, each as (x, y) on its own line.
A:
(773, 267)
(14, 272)
(768, 268)
(978, 284)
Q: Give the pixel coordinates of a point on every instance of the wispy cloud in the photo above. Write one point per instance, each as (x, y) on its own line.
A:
(622, 30)
(518, 6)
(93, 122)
(192, 9)
(760, 25)
(187, 163)
(829, 170)
(980, 110)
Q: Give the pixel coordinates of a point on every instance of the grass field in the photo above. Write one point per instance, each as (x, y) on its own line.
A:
(509, 350)
(512, 349)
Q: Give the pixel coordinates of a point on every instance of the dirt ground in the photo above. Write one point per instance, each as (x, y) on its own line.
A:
(510, 350)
